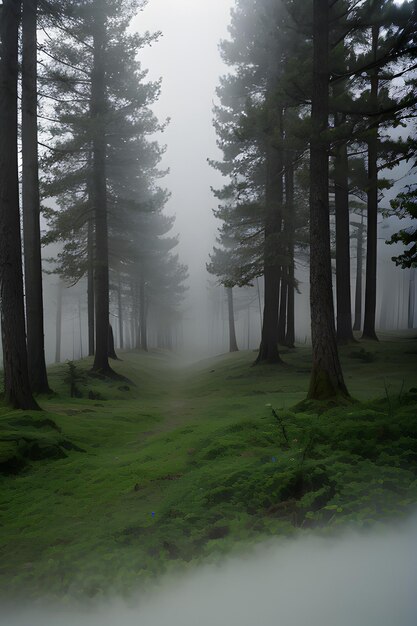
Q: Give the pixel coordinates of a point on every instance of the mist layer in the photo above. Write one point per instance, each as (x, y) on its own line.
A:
(359, 580)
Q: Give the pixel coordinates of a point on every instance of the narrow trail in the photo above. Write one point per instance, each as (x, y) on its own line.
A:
(172, 396)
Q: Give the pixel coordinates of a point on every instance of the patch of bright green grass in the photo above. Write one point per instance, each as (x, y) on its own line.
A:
(181, 465)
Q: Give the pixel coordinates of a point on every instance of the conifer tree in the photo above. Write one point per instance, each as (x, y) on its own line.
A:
(405, 207)
(128, 158)
(31, 202)
(254, 125)
(326, 377)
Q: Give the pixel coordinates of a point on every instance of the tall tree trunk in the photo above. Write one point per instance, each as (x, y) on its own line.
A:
(168, 339)
(248, 322)
(258, 293)
(110, 344)
(99, 189)
(143, 316)
(17, 388)
(359, 278)
(343, 288)
(80, 328)
(283, 303)
(289, 208)
(31, 204)
(290, 334)
(372, 237)
(232, 330)
(411, 298)
(90, 288)
(326, 377)
(268, 351)
(58, 323)
(134, 317)
(120, 311)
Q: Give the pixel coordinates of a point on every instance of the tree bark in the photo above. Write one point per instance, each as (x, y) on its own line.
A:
(168, 339)
(359, 278)
(99, 190)
(268, 351)
(58, 324)
(411, 298)
(372, 236)
(31, 204)
(143, 316)
(120, 310)
(17, 388)
(283, 305)
(233, 347)
(326, 377)
(134, 318)
(343, 288)
(289, 208)
(90, 288)
(80, 328)
(111, 348)
(290, 334)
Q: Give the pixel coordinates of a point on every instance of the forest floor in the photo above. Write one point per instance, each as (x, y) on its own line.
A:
(180, 465)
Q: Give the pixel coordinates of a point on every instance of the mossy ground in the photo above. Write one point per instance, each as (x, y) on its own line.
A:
(186, 464)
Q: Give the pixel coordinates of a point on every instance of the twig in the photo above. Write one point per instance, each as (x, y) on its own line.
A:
(282, 425)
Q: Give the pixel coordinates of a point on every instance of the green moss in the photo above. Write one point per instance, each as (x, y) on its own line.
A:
(206, 457)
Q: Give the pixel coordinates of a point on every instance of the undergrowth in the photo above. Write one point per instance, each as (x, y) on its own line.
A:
(184, 467)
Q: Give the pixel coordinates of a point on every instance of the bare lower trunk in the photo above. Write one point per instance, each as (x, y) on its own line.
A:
(343, 293)
(111, 348)
(90, 288)
(268, 351)
(232, 330)
(168, 340)
(120, 311)
(372, 237)
(80, 328)
(289, 208)
(58, 323)
(290, 334)
(31, 204)
(283, 303)
(143, 316)
(326, 377)
(411, 298)
(359, 278)
(134, 318)
(17, 389)
(99, 189)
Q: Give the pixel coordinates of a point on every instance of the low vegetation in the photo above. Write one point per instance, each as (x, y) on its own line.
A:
(183, 465)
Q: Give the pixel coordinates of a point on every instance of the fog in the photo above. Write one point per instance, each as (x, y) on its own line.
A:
(366, 579)
(345, 578)
(189, 81)
(204, 323)
(188, 60)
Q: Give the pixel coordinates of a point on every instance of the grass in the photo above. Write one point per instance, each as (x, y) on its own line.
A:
(190, 464)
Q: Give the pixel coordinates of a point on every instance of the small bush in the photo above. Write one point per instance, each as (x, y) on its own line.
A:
(73, 377)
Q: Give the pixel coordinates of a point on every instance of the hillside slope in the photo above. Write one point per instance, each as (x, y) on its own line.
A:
(181, 464)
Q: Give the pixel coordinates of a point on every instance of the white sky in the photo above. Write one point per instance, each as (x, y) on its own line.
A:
(188, 60)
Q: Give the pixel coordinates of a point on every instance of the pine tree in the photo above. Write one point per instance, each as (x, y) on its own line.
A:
(31, 203)
(254, 124)
(405, 207)
(233, 347)
(130, 160)
(326, 377)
